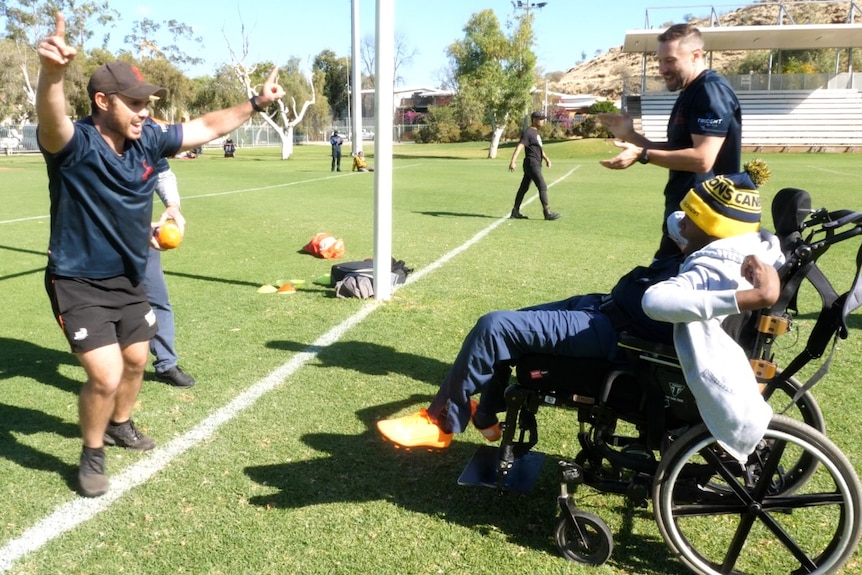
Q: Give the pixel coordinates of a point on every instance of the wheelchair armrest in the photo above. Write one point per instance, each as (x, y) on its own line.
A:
(631, 342)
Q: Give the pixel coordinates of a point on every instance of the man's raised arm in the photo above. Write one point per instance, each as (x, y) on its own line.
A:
(214, 124)
(55, 128)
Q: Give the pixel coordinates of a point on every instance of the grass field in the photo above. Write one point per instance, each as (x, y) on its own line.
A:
(271, 464)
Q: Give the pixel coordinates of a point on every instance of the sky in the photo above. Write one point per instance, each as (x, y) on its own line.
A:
(565, 30)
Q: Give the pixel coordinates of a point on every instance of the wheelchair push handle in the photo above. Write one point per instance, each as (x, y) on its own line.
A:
(826, 223)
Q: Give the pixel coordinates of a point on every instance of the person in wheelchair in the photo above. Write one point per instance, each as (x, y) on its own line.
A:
(721, 228)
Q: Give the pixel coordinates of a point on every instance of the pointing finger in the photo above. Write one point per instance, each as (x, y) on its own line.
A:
(61, 26)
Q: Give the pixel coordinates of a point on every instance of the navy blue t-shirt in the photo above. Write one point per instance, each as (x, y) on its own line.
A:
(101, 203)
(629, 291)
(707, 107)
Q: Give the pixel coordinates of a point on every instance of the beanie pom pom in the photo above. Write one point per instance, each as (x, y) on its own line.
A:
(758, 171)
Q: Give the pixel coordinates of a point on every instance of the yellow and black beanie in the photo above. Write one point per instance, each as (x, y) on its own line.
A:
(724, 206)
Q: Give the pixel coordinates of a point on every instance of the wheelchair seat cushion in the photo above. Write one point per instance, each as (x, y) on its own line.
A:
(577, 375)
(631, 342)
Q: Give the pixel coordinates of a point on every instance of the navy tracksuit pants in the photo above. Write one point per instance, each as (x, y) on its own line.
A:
(572, 327)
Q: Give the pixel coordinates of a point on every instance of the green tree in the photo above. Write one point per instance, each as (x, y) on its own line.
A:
(337, 74)
(151, 43)
(605, 106)
(215, 92)
(26, 23)
(440, 126)
(493, 73)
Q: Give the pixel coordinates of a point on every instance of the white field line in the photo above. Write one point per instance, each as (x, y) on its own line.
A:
(833, 171)
(67, 516)
(229, 192)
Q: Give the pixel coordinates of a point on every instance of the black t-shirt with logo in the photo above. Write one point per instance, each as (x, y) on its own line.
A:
(707, 107)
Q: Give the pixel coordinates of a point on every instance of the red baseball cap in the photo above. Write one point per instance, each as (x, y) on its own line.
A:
(122, 78)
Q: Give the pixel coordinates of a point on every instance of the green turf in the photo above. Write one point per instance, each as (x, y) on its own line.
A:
(299, 482)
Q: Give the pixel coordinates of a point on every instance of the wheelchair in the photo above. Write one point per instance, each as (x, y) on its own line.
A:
(795, 506)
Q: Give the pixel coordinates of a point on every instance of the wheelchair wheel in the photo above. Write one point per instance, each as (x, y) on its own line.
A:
(586, 540)
(805, 410)
(719, 516)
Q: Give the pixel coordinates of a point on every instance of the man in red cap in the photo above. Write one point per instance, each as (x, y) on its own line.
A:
(102, 175)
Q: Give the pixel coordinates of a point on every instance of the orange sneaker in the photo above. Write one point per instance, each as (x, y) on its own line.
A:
(417, 430)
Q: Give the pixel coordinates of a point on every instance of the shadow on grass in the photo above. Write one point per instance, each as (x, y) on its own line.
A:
(21, 274)
(24, 251)
(16, 421)
(363, 468)
(24, 359)
(211, 279)
(457, 215)
(430, 156)
(365, 358)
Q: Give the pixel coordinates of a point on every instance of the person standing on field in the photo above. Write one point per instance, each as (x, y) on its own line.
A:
(336, 141)
(704, 132)
(534, 155)
(101, 180)
(162, 347)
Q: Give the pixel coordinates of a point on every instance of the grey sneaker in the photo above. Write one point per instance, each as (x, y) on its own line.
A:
(127, 435)
(176, 377)
(549, 215)
(92, 481)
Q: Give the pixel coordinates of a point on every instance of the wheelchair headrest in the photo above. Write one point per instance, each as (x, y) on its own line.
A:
(790, 207)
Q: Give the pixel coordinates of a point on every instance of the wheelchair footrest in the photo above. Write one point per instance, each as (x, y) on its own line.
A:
(482, 469)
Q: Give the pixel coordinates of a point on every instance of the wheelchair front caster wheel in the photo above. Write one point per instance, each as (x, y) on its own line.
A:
(584, 538)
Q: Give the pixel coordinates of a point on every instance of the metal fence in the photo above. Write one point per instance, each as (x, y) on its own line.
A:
(22, 139)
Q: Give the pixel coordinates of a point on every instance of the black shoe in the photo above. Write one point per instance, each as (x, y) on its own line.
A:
(516, 215)
(127, 435)
(92, 481)
(549, 215)
(176, 377)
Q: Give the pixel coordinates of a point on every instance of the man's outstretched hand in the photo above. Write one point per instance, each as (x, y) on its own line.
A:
(53, 50)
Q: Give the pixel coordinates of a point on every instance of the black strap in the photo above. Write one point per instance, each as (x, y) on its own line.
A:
(831, 324)
(818, 375)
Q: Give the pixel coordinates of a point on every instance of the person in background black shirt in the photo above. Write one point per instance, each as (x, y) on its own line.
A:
(534, 154)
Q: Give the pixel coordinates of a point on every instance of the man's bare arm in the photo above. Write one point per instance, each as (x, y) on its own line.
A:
(55, 127)
(214, 124)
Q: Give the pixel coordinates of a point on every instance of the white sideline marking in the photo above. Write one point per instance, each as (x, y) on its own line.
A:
(69, 515)
(23, 219)
(243, 191)
(833, 171)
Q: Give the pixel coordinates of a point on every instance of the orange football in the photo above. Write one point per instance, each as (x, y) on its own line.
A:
(169, 235)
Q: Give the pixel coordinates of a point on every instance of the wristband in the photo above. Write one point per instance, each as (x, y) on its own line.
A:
(254, 104)
(643, 157)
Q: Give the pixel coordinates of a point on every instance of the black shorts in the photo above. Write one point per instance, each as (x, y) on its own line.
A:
(94, 313)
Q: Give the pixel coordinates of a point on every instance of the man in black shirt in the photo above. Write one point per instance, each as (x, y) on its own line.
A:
(704, 132)
(534, 154)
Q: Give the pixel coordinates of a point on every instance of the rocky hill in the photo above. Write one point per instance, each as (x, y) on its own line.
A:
(606, 74)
